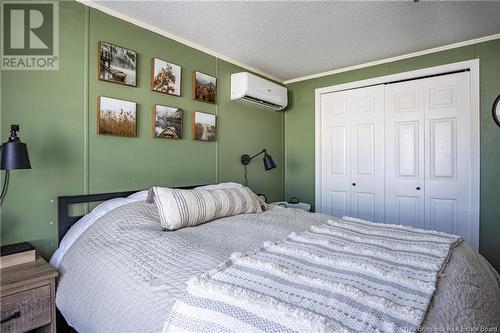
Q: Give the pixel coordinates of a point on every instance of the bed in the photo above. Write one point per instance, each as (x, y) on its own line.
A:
(121, 273)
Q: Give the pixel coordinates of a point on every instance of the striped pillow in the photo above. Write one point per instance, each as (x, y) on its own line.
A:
(186, 208)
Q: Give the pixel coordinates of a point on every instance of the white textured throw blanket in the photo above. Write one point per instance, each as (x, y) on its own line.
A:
(343, 276)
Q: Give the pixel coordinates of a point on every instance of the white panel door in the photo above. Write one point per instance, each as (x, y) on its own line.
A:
(448, 155)
(352, 137)
(404, 154)
(336, 164)
(428, 154)
(367, 148)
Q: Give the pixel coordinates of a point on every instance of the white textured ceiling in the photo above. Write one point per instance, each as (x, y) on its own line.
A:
(294, 39)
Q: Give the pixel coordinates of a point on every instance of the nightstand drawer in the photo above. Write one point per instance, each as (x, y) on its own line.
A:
(28, 309)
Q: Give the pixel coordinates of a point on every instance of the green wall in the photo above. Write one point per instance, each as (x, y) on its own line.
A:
(57, 114)
(248, 129)
(299, 130)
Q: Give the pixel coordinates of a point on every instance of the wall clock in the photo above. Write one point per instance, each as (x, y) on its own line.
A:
(496, 110)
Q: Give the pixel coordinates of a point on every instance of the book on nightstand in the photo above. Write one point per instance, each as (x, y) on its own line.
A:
(16, 254)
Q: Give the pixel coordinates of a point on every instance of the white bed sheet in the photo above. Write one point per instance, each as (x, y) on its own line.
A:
(86, 221)
(123, 274)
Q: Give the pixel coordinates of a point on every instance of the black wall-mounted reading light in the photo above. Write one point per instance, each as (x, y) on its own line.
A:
(14, 156)
(268, 162)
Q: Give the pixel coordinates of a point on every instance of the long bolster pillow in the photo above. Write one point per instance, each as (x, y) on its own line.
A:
(187, 208)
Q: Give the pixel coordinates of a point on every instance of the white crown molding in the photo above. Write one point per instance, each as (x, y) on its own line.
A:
(97, 6)
(106, 10)
(401, 57)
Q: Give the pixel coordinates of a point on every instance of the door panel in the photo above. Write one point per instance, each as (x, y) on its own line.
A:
(408, 211)
(404, 154)
(448, 154)
(352, 136)
(406, 101)
(441, 97)
(363, 206)
(363, 105)
(443, 146)
(407, 149)
(400, 153)
(367, 142)
(338, 143)
(337, 203)
(335, 143)
(363, 152)
(338, 108)
(443, 215)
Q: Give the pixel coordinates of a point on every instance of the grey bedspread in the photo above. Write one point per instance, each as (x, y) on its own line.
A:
(124, 274)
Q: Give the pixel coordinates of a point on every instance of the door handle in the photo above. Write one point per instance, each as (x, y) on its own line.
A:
(353, 184)
(418, 188)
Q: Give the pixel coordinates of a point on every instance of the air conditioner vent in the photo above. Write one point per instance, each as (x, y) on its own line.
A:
(262, 102)
(256, 90)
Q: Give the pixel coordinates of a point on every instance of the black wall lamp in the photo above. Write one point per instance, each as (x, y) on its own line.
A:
(268, 162)
(14, 156)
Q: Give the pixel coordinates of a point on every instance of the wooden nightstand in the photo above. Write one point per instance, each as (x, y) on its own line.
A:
(28, 297)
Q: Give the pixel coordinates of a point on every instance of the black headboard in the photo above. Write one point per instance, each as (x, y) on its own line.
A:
(65, 221)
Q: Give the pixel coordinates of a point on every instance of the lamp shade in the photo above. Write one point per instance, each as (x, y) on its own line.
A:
(268, 162)
(14, 155)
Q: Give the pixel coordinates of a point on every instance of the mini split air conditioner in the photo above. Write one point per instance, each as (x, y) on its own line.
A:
(253, 89)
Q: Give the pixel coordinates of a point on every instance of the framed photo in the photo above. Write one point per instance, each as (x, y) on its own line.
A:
(204, 87)
(165, 77)
(167, 122)
(117, 64)
(204, 126)
(116, 117)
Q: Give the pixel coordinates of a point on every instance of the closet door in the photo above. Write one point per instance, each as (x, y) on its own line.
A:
(428, 154)
(404, 149)
(335, 154)
(367, 153)
(351, 145)
(448, 155)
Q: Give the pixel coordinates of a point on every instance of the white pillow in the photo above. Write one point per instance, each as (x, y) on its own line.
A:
(87, 220)
(141, 195)
(187, 208)
(219, 186)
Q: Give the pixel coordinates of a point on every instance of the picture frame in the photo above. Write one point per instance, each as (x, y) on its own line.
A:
(167, 122)
(116, 64)
(204, 126)
(116, 117)
(204, 87)
(165, 77)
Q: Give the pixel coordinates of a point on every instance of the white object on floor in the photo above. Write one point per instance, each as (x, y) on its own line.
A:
(300, 205)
